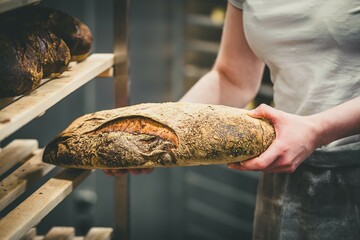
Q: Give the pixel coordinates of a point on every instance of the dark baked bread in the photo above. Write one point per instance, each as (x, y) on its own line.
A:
(74, 32)
(27, 56)
(160, 135)
(35, 43)
(51, 51)
(20, 69)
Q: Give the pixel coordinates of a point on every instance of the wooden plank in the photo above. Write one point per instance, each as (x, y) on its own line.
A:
(99, 233)
(107, 73)
(7, 5)
(28, 107)
(78, 238)
(23, 179)
(40, 203)
(15, 152)
(6, 101)
(30, 235)
(60, 233)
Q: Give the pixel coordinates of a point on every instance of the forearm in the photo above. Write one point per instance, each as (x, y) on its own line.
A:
(236, 75)
(338, 122)
(212, 88)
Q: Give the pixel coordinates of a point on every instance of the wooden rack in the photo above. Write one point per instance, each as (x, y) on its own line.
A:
(43, 186)
(22, 158)
(68, 233)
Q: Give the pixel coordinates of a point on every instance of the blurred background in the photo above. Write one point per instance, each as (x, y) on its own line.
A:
(172, 43)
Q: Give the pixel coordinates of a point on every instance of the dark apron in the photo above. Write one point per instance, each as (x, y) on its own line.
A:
(320, 200)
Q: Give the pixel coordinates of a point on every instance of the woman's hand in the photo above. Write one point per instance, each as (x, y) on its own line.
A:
(122, 172)
(296, 138)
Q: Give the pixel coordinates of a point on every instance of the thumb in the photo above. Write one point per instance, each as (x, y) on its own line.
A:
(263, 111)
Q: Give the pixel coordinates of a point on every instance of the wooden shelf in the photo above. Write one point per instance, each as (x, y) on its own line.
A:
(31, 169)
(26, 108)
(30, 212)
(68, 233)
(7, 5)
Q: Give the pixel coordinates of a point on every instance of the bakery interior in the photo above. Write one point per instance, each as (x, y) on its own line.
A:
(169, 45)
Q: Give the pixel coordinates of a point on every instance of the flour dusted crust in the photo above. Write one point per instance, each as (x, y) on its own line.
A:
(160, 135)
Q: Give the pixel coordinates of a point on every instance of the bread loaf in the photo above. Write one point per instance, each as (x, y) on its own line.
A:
(160, 135)
(36, 43)
(74, 32)
(27, 56)
(52, 52)
(20, 69)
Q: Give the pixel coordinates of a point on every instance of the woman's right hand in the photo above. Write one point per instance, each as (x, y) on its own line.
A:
(122, 172)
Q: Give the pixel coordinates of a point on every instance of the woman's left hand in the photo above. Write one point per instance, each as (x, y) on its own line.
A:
(296, 138)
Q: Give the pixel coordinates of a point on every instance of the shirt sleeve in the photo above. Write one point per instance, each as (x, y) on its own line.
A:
(237, 3)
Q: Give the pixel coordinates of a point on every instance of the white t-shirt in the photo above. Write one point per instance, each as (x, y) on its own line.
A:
(312, 48)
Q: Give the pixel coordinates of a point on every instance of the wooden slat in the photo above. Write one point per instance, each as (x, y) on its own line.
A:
(60, 233)
(98, 233)
(107, 73)
(22, 179)
(40, 203)
(15, 152)
(30, 235)
(7, 5)
(23, 110)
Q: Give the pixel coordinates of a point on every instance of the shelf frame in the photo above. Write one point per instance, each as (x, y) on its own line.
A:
(121, 88)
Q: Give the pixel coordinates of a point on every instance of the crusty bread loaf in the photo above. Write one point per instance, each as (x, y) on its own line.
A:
(28, 56)
(76, 34)
(20, 70)
(52, 52)
(160, 135)
(38, 42)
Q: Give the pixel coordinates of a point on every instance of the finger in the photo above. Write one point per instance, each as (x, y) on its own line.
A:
(147, 170)
(118, 172)
(236, 166)
(263, 111)
(256, 164)
(135, 171)
(276, 167)
(265, 159)
(281, 165)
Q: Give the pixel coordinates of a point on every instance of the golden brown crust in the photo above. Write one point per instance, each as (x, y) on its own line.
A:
(173, 134)
(139, 125)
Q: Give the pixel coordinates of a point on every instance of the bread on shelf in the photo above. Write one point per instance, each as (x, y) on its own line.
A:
(38, 42)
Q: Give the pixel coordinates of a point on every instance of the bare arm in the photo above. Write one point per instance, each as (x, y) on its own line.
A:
(234, 79)
(338, 122)
(236, 75)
